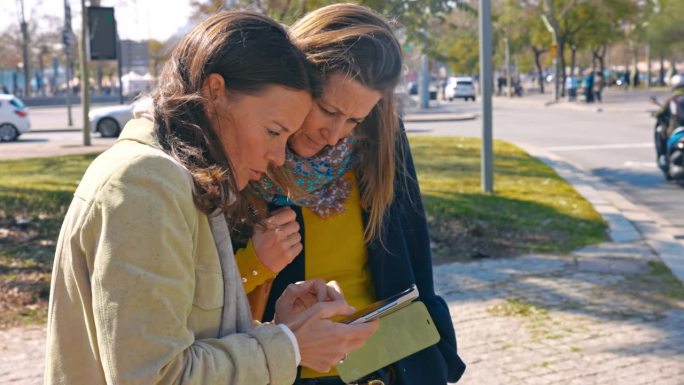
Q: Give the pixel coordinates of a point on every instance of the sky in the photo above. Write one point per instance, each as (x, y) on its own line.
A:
(136, 19)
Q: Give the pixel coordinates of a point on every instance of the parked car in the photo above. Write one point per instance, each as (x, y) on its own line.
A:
(14, 119)
(460, 87)
(109, 121)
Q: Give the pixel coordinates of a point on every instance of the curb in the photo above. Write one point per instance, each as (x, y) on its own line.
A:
(437, 117)
(627, 221)
(47, 131)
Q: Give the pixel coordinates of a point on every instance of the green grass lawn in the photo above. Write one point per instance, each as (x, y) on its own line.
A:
(34, 196)
(531, 210)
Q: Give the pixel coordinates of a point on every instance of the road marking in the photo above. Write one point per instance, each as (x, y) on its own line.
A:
(601, 147)
(648, 165)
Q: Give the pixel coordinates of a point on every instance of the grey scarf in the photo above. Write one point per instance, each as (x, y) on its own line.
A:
(237, 317)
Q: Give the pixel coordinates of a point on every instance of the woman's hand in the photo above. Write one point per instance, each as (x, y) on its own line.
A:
(300, 296)
(306, 308)
(278, 241)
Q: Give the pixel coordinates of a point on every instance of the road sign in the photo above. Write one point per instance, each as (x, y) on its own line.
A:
(102, 33)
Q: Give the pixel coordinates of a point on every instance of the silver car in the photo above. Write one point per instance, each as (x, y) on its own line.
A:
(109, 121)
(14, 119)
(460, 87)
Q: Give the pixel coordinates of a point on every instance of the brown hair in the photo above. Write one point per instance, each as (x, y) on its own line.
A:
(353, 40)
(251, 52)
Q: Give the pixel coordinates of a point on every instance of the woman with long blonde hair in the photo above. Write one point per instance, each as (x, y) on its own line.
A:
(359, 220)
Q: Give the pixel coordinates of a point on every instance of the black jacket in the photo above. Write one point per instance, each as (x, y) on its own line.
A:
(402, 259)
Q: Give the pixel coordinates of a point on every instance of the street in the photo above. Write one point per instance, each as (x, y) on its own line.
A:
(615, 144)
(51, 135)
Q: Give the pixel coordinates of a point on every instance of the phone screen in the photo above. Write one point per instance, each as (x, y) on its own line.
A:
(383, 307)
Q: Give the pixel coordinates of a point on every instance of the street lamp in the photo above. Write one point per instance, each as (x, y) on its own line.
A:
(25, 42)
(487, 179)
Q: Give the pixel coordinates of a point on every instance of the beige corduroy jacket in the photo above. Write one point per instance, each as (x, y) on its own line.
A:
(144, 286)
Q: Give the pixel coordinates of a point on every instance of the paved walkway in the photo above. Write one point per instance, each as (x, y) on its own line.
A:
(590, 318)
(22, 355)
(594, 317)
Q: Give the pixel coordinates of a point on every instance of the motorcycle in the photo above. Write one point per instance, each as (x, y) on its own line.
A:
(670, 149)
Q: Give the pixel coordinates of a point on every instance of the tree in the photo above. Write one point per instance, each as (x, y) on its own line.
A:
(607, 29)
(665, 31)
(455, 41)
(416, 16)
(540, 39)
(567, 18)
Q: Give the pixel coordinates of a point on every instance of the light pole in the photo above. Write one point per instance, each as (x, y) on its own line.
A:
(85, 83)
(69, 41)
(508, 65)
(24, 46)
(486, 84)
(424, 85)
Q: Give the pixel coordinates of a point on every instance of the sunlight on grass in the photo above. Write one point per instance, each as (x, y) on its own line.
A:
(43, 185)
(34, 196)
(532, 208)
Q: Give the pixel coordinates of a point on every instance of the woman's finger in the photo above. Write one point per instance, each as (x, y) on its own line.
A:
(289, 228)
(334, 292)
(293, 239)
(295, 250)
(280, 217)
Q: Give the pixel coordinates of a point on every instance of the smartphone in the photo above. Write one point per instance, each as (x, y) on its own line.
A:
(383, 307)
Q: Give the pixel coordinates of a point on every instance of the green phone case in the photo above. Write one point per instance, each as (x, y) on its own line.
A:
(401, 334)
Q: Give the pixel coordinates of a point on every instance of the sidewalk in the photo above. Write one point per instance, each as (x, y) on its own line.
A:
(614, 100)
(600, 315)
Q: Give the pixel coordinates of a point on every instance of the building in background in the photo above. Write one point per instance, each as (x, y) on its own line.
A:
(135, 56)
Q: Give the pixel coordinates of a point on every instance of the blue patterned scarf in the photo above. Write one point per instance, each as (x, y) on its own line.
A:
(320, 176)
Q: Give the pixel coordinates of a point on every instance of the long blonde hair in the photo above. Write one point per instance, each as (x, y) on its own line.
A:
(353, 40)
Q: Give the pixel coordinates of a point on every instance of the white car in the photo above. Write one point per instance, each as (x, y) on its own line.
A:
(14, 119)
(109, 121)
(460, 87)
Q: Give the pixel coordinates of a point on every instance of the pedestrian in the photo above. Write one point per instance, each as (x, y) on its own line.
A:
(589, 87)
(500, 83)
(599, 85)
(144, 287)
(517, 88)
(361, 220)
(627, 77)
(636, 81)
(571, 86)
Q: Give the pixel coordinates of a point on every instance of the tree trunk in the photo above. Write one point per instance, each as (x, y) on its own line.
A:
(602, 59)
(540, 70)
(661, 75)
(573, 56)
(599, 55)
